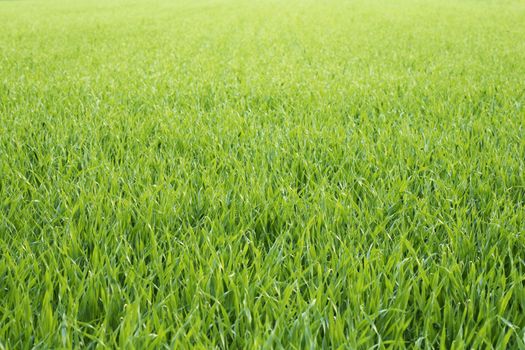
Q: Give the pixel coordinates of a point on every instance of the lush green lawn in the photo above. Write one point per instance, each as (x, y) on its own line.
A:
(262, 174)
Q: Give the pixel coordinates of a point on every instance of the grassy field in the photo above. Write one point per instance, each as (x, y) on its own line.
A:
(262, 174)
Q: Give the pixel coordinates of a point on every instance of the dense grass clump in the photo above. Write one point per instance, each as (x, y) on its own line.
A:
(262, 174)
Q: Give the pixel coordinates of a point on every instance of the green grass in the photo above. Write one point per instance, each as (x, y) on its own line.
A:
(262, 174)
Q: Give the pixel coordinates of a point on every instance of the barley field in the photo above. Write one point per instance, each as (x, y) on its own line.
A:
(234, 174)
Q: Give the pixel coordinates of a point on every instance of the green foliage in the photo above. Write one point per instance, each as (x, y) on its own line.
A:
(262, 174)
